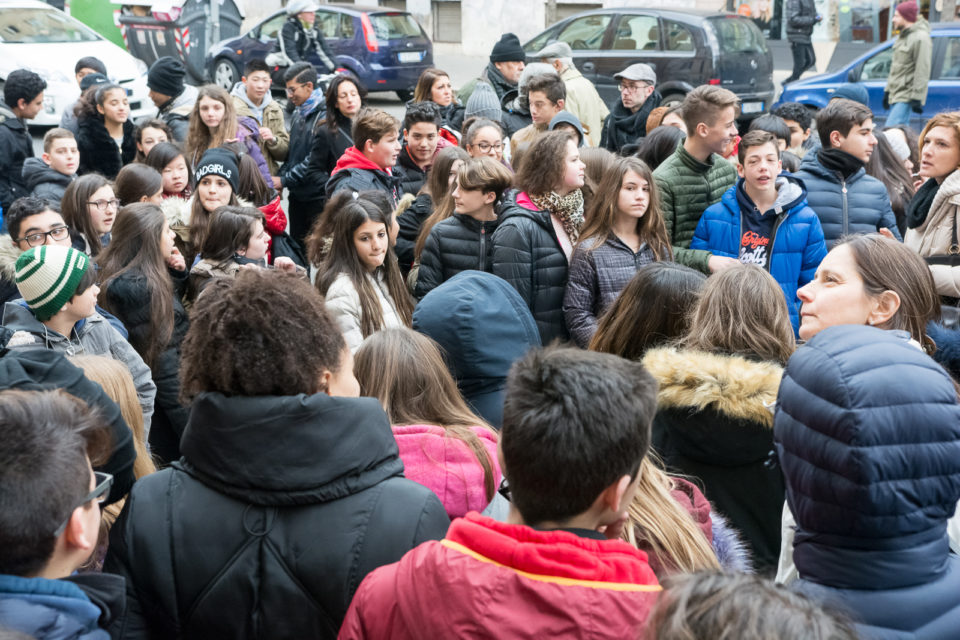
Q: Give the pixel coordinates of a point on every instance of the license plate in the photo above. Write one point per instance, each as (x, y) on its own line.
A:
(410, 56)
(751, 107)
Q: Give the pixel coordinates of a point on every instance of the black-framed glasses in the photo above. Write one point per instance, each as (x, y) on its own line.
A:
(103, 205)
(629, 88)
(486, 146)
(104, 482)
(40, 237)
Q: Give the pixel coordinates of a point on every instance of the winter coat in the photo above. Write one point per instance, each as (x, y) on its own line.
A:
(176, 113)
(859, 204)
(324, 150)
(797, 245)
(248, 132)
(447, 466)
(16, 145)
(99, 152)
(297, 174)
(356, 172)
(410, 174)
(490, 579)
(623, 127)
(936, 234)
(127, 297)
(584, 102)
(9, 253)
(45, 182)
(528, 255)
(91, 336)
(687, 187)
(298, 44)
(867, 433)
(714, 423)
(452, 115)
(459, 243)
(597, 276)
(410, 222)
(910, 67)
(343, 303)
(270, 115)
(204, 271)
(278, 509)
(462, 315)
(801, 17)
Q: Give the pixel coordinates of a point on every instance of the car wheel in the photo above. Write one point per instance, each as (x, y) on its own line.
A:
(405, 95)
(225, 74)
(672, 100)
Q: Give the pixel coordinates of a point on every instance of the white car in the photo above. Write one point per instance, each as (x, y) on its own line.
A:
(35, 36)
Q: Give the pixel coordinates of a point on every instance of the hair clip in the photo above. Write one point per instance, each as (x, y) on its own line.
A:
(355, 195)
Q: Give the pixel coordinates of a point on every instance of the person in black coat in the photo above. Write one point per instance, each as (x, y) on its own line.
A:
(801, 17)
(299, 38)
(22, 101)
(102, 118)
(421, 134)
(290, 490)
(627, 121)
(367, 165)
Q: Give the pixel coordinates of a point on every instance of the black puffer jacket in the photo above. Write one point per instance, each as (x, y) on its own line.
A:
(459, 243)
(528, 255)
(410, 222)
(326, 148)
(297, 173)
(44, 181)
(99, 152)
(16, 145)
(411, 175)
(301, 45)
(127, 298)
(356, 172)
(278, 509)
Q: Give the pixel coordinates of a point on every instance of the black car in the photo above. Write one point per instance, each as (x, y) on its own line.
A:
(685, 49)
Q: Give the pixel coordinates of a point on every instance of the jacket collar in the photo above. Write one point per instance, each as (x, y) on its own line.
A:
(45, 599)
(473, 224)
(353, 158)
(790, 195)
(692, 163)
(810, 164)
(9, 119)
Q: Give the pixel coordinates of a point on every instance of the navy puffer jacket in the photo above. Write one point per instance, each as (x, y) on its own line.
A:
(867, 431)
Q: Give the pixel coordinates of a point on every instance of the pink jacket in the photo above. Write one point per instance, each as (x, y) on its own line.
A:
(447, 466)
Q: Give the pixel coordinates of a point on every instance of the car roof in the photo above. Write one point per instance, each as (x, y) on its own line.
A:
(359, 8)
(691, 16)
(943, 26)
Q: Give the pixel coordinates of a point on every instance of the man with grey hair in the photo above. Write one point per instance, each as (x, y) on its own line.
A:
(583, 101)
(638, 97)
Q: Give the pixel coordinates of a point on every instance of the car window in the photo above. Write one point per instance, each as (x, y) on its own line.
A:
(877, 67)
(585, 33)
(951, 59)
(738, 35)
(326, 23)
(22, 26)
(271, 28)
(389, 26)
(540, 41)
(679, 36)
(641, 33)
(347, 30)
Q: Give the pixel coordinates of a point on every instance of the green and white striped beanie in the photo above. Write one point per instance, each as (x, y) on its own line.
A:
(48, 276)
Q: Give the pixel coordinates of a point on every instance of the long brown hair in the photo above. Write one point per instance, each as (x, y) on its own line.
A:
(604, 209)
(405, 371)
(543, 163)
(439, 188)
(199, 136)
(742, 311)
(342, 258)
(76, 212)
(424, 89)
(136, 247)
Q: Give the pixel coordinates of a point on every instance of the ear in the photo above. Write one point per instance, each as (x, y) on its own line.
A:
(21, 104)
(836, 138)
(779, 167)
(560, 104)
(740, 171)
(368, 147)
(489, 197)
(702, 129)
(886, 304)
(144, 198)
(324, 382)
(406, 135)
(77, 536)
(612, 496)
(47, 159)
(243, 79)
(100, 110)
(806, 134)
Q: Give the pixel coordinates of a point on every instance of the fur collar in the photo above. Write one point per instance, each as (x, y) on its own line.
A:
(9, 253)
(732, 385)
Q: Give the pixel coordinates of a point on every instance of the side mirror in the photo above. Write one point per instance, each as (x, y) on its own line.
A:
(854, 74)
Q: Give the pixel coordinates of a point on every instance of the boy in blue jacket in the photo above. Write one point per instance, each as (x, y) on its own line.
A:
(764, 219)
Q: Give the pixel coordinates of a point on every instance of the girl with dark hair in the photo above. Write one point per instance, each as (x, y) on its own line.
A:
(143, 275)
(89, 207)
(332, 136)
(169, 160)
(360, 278)
(625, 232)
(105, 134)
(150, 134)
(659, 145)
(483, 137)
(434, 86)
(534, 241)
(138, 183)
(887, 167)
(217, 178)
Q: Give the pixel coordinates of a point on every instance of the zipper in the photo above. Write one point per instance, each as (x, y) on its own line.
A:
(773, 238)
(483, 246)
(843, 199)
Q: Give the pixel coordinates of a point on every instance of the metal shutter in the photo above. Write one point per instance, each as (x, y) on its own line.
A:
(446, 21)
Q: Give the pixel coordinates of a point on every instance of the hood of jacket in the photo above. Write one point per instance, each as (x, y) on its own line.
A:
(240, 91)
(353, 158)
(9, 253)
(183, 103)
(791, 195)
(55, 609)
(36, 171)
(288, 450)
(10, 120)
(565, 117)
(811, 165)
(520, 205)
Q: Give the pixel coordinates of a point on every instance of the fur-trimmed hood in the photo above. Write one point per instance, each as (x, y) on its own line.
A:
(9, 253)
(738, 388)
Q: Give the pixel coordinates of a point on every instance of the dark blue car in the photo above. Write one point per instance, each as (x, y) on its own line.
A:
(387, 50)
(872, 68)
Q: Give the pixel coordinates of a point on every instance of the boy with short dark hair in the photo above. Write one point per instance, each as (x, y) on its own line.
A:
(844, 197)
(421, 135)
(367, 165)
(547, 96)
(49, 175)
(799, 120)
(576, 426)
(252, 99)
(764, 220)
(775, 125)
(23, 99)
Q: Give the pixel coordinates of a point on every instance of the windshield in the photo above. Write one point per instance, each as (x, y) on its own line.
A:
(23, 25)
(738, 35)
(389, 26)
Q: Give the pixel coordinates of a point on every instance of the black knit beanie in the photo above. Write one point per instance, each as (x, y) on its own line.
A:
(166, 76)
(219, 162)
(508, 50)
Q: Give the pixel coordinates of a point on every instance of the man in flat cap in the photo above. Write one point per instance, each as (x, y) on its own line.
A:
(638, 97)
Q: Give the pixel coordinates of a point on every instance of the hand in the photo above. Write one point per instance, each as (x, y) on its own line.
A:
(916, 106)
(251, 266)
(886, 100)
(284, 263)
(886, 233)
(176, 260)
(266, 134)
(918, 182)
(277, 183)
(719, 263)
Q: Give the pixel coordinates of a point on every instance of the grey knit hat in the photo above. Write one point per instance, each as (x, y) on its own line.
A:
(483, 103)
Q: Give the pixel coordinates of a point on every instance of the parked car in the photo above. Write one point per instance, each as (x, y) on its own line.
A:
(685, 49)
(387, 50)
(35, 36)
(872, 69)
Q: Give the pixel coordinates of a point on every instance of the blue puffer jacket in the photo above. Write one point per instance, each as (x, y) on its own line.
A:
(867, 431)
(798, 245)
(859, 204)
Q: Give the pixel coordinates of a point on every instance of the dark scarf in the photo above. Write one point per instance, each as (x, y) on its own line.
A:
(839, 161)
(626, 126)
(919, 205)
(500, 84)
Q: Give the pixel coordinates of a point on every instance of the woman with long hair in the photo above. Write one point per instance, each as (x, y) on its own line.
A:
(887, 167)
(217, 178)
(105, 134)
(533, 244)
(434, 86)
(142, 275)
(332, 135)
(659, 145)
(89, 207)
(624, 232)
(444, 445)
(138, 182)
(359, 278)
(714, 419)
(214, 123)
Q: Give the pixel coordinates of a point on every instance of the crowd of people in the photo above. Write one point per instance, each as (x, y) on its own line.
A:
(522, 363)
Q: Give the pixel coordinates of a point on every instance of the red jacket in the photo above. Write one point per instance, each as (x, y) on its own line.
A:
(488, 579)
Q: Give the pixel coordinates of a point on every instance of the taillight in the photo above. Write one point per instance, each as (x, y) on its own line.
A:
(713, 81)
(369, 35)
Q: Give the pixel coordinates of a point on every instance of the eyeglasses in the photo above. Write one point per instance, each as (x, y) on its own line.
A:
(40, 237)
(292, 90)
(103, 205)
(486, 146)
(631, 88)
(104, 482)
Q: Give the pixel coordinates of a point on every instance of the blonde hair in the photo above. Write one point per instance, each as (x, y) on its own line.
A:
(950, 119)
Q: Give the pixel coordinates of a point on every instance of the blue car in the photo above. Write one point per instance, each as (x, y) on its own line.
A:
(386, 49)
(872, 68)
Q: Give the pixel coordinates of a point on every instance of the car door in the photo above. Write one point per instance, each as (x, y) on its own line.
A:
(635, 37)
(873, 74)
(943, 91)
(586, 36)
(328, 25)
(263, 39)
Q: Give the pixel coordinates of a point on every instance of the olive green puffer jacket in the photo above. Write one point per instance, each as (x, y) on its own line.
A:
(687, 187)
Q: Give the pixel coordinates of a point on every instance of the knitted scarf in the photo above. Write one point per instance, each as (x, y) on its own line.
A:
(568, 209)
(919, 206)
(316, 98)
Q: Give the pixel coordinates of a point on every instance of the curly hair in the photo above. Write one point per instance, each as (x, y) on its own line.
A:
(263, 333)
(543, 164)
